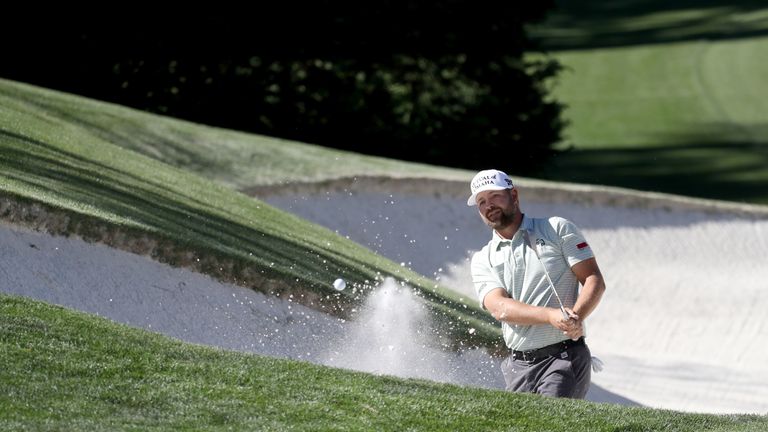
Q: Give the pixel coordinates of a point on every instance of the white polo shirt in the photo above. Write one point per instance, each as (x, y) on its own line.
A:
(512, 265)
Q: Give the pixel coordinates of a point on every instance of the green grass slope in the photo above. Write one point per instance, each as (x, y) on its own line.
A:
(65, 370)
(232, 158)
(663, 96)
(105, 192)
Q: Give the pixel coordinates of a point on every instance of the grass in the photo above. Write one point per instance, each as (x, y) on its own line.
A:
(679, 108)
(69, 370)
(620, 23)
(70, 166)
(234, 159)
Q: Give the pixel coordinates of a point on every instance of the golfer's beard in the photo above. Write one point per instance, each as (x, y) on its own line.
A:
(505, 219)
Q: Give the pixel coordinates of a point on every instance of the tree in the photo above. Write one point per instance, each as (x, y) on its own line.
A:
(443, 83)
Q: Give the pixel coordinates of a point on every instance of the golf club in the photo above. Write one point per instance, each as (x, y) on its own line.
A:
(597, 364)
(527, 237)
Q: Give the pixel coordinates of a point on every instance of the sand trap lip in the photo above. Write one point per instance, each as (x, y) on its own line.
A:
(533, 190)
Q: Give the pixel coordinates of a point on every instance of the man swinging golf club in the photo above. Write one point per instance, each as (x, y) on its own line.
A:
(528, 278)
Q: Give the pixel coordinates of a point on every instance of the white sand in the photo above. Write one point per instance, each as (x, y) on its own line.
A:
(389, 337)
(682, 323)
(680, 326)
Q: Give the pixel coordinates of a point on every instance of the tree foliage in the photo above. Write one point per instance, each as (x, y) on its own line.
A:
(439, 82)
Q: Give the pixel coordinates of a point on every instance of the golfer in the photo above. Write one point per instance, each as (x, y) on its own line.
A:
(542, 322)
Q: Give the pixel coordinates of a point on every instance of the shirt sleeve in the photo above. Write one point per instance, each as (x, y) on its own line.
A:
(574, 246)
(484, 277)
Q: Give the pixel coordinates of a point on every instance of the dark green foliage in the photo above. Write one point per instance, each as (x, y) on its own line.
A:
(442, 83)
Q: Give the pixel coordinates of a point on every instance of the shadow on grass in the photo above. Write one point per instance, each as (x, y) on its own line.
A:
(187, 219)
(130, 134)
(594, 24)
(709, 168)
(297, 257)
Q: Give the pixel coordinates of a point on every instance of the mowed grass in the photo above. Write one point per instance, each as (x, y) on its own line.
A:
(65, 370)
(619, 23)
(237, 160)
(68, 163)
(681, 107)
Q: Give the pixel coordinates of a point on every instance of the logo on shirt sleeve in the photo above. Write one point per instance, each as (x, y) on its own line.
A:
(582, 245)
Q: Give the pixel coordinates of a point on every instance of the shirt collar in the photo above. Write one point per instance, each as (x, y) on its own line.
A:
(497, 241)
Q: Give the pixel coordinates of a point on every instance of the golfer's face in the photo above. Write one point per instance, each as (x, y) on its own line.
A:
(497, 208)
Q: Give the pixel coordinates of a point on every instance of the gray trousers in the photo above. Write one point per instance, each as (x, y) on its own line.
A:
(564, 375)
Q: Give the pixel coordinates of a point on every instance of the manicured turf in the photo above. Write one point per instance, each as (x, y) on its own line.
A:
(231, 158)
(679, 108)
(69, 164)
(65, 370)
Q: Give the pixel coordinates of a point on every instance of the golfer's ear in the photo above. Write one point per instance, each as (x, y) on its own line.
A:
(513, 194)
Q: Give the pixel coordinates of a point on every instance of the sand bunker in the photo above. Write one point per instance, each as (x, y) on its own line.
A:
(679, 326)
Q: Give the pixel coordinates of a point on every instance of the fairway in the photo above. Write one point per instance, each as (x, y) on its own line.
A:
(663, 99)
(684, 118)
(666, 95)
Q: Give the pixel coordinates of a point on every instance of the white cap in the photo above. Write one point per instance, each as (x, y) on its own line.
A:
(488, 180)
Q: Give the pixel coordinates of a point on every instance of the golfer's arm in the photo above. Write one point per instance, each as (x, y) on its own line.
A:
(592, 287)
(511, 311)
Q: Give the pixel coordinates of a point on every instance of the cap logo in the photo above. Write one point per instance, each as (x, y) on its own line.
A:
(488, 180)
(482, 181)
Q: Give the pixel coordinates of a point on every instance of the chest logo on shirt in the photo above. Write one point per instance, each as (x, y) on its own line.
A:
(540, 242)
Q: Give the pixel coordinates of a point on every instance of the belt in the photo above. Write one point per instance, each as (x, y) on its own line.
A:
(533, 356)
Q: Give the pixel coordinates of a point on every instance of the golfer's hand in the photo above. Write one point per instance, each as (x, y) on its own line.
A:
(571, 327)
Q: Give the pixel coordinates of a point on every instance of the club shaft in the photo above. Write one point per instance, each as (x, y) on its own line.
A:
(527, 237)
(552, 287)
